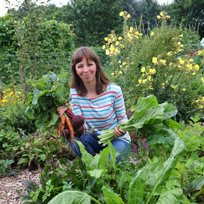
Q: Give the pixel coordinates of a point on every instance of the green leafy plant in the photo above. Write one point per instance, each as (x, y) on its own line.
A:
(149, 118)
(5, 164)
(50, 92)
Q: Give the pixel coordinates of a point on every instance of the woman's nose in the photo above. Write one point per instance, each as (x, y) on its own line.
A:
(86, 68)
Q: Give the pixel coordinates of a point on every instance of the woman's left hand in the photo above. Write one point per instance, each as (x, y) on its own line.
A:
(118, 132)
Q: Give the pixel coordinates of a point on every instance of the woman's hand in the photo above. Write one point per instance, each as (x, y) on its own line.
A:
(118, 132)
(61, 110)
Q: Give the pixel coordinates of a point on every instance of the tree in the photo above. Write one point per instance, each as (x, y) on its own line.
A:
(189, 12)
(149, 9)
(94, 19)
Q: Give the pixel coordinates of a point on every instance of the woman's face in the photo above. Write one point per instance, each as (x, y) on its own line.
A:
(86, 70)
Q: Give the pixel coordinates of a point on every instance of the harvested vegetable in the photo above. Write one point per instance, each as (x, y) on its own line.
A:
(66, 133)
(79, 131)
(71, 129)
(149, 115)
(77, 121)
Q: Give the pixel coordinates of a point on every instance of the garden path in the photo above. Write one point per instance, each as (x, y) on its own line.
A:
(10, 186)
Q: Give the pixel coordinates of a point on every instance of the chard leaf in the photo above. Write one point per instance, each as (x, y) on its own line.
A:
(197, 184)
(165, 136)
(112, 153)
(146, 103)
(104, 158)
(111, 197)
(86, 157)
(154, 175)
(173, 196)
(72, 197)
(169, 110)
(54, 119)
(136, 190)
(145, 116)
(97, 173)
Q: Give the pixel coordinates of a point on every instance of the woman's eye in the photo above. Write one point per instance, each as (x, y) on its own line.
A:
(90, 64)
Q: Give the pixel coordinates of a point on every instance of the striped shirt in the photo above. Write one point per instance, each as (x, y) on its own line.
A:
(101, 113)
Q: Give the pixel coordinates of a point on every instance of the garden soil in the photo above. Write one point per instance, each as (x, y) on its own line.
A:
(11, 188)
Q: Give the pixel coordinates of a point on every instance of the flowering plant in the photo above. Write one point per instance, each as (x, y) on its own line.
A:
(151, 64)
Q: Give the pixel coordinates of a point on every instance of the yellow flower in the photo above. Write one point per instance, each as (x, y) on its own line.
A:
(190, 60)
(8, 89)
(107, 52)
(161, 13)
(181, 35)
(106, 38)
(124, 63)
(128, 35)
(121, 66)
(117, 43)
(143, 69)
(152, 34)
(163, 84)
(120, 38)
(163, 61)
(196, 67)
(183, 89)
(112, 48)
(120, 72)
(131, 28)
(181, 62)
(119, 62)
(201, 106)
(112, 74)
(158, 17)
(174, 86)
(202, 79)
(193, 74)
(140, 81)
(4, 101)
(152, 71)
(199, 52)
(144, 81)
(154, 60)
(121, 13)
(168, 16)
(179, 43)
(149, 78)
(103, 47)
(128, 16)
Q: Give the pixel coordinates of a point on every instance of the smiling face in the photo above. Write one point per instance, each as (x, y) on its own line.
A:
(86, 70)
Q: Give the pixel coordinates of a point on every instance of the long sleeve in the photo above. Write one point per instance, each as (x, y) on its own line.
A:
(119, 107)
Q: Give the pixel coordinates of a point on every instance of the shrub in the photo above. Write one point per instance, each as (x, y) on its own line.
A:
(151, 65)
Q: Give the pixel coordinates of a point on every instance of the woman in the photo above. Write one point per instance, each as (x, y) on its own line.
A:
(99, 100)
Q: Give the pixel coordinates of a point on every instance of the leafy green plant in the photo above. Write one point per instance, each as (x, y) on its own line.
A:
(149, 181)
(5, 164)
(50, 92)
(149, 118)
(153, 65)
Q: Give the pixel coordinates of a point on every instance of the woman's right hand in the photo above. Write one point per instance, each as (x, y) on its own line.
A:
(61, 110)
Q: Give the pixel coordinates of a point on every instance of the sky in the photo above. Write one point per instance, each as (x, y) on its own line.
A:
(58, 3)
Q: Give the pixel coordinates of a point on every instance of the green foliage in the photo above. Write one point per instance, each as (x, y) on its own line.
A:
(149, 118)
(5, 164)
(189, 12)
(149, 183)
(89, 17)
(153, 65)
(34, 45)
(50, 92)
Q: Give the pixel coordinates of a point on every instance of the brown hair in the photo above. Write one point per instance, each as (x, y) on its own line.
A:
(101, 79)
